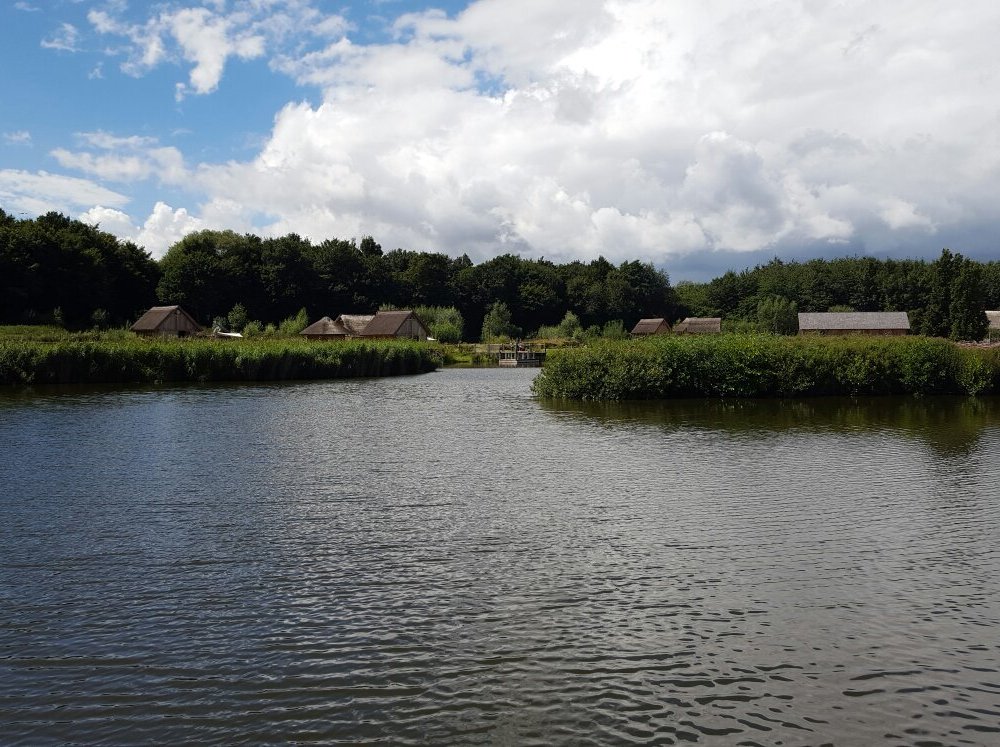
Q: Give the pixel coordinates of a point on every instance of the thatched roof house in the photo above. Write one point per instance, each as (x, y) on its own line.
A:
(700, 325)
(403, 323)
(854, 323)
(166, 321)
(325, 329)
(650, 327)
(354, 323)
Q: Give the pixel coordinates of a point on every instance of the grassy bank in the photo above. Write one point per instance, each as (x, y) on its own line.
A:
(127, 359)
(766, 366)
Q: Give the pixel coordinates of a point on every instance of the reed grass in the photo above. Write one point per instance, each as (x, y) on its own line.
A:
(749, 365)
(116, 358)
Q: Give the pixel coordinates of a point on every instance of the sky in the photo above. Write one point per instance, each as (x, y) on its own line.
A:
(701, 135)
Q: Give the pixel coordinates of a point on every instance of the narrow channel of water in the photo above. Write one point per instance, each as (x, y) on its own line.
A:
(443, 559)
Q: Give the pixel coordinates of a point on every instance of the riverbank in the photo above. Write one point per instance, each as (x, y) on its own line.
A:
(128, 359)
(673, 366)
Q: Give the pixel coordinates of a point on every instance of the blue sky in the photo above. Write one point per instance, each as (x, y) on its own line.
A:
(702, 135)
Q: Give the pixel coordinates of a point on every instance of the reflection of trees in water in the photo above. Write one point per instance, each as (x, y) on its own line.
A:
(951, 426)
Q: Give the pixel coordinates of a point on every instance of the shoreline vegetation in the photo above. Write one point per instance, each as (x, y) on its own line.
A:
(110, 358)
(662, 367)
(754, 365)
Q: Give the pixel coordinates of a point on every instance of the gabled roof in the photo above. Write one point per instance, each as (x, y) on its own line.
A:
(325, 326)
(152, 319)
(355, 323)
(648, 326)
(700, 324)
(854, 320)
(387, 323)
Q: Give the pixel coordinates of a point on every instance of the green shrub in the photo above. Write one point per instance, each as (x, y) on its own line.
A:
(293, 325)
(446, 332)
(753, 365)
(253, 329)
(138, 360)
(444, 323)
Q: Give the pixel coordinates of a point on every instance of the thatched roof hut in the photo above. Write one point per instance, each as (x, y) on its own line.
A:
(650, 327)
(166, 321)
(403, 323)
(854, 323)
(700, 325)
(354, 323)
(325, 329)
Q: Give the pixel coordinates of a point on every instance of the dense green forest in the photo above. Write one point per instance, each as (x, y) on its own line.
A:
(55, 269)
(944, 298)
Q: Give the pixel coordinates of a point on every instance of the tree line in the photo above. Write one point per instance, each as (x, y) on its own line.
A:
(55, 269)
(943, 298)
(52, 265)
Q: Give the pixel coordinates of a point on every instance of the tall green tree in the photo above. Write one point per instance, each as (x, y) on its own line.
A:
(967, 314)
(54, 261)
(778, 315)
(498, 322)
(936, 320)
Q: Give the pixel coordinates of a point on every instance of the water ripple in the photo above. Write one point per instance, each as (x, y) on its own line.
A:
(444, 560)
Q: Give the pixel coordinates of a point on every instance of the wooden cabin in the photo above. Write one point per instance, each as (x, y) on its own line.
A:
(166, 321)
(854, 323)
(402, 324)
(700, 325)
(650, 327)
(325, 329)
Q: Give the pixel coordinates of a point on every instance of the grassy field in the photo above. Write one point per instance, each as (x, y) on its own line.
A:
(49, 355)
(735, 365)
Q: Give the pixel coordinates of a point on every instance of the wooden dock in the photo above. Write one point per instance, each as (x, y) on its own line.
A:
(520, 356)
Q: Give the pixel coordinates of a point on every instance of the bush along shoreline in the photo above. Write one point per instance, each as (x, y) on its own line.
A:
(732, 365)
(133, 361)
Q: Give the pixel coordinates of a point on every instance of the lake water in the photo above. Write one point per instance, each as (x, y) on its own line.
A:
(444, 560)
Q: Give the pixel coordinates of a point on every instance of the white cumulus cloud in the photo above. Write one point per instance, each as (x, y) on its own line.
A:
(123, 159)
(629, 128)
(164, 227)
(207, 36)
(41, 192)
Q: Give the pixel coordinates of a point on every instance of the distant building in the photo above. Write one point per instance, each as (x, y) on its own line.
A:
(166, 321)
(354, 323)
(650, 327)
(700, 325)
(325, 329)
(403, 324)
(854, 323)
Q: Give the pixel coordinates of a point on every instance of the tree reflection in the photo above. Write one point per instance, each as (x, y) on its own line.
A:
(951, 426)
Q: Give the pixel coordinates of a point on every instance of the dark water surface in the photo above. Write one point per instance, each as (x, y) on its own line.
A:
(444, 560)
